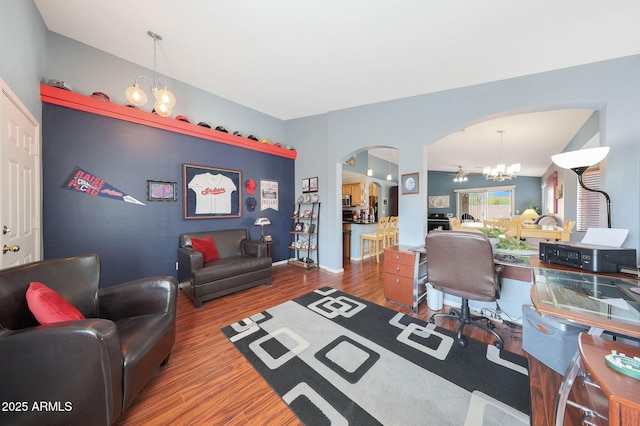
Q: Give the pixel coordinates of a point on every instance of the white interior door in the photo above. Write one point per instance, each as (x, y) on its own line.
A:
(20, 184)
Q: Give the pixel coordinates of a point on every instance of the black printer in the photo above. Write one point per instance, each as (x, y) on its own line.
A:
(589, 257)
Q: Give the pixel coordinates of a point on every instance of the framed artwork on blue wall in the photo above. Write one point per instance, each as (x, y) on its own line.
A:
(211, 192)
(161, 191)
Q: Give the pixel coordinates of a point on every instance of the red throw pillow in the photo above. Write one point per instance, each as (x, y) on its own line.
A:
(48, 306)
(207, 247)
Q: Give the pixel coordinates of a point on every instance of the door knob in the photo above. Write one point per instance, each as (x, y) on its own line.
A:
(5, 230)
(12, 249)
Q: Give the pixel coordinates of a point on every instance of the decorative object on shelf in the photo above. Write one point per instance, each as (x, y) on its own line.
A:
(579, 161)
(307, 198)
(262, 222)
(461, 176)
(161, 191)
(315, 198)
(411, 183)
(268, 194)
(211, 192)
(501, 172)
(301, 199)
(165, 101)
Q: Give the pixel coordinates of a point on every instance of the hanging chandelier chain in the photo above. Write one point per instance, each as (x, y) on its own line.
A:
(165, 100)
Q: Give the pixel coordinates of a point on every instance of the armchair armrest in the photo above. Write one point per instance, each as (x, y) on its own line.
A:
(254, 248)
(77, 364)
(189, 261)
(141, 297)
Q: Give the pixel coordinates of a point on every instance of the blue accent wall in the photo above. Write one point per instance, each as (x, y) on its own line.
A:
(135, 241)
(441, 183)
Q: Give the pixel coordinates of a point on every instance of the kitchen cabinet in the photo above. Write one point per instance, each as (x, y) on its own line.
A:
(357, 198)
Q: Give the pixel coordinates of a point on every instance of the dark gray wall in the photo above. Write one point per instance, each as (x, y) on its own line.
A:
(135, 241)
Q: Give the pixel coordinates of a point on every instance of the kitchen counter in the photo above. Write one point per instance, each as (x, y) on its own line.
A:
(360, 222)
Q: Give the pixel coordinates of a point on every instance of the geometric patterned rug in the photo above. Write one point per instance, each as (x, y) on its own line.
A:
(336, 359)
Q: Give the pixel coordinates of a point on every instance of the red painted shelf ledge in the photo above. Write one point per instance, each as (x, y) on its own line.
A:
(65, 98)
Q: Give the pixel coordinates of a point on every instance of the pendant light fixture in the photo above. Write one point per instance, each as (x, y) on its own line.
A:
(165, 101)
(501, 171)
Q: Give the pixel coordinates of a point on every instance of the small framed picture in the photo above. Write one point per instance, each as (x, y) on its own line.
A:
(313, 184)
(411, 183)
(161, 191)
(305, 185)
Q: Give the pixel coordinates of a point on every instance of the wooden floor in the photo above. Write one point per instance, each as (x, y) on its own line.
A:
(208, 382)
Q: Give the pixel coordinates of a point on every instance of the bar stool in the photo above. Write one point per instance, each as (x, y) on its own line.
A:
(376, 241)
(392, 231)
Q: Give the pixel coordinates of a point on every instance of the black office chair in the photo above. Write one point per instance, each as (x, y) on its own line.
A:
(461, 264)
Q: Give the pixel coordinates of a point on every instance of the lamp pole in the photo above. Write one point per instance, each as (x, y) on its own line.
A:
(580, 171)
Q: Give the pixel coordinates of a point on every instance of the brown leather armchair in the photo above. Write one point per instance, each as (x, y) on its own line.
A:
(85, 371)
(461, 264)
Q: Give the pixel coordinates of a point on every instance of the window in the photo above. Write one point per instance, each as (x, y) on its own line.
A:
(588, 201)
(485, 203)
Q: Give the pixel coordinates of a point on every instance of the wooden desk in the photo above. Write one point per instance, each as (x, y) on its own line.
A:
(599, 316)
(601, 393)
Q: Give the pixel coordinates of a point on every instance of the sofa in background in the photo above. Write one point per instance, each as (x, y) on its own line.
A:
(242, 264)
(89, 370)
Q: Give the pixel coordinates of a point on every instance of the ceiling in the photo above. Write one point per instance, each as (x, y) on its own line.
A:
(292, 59)
(529, 139)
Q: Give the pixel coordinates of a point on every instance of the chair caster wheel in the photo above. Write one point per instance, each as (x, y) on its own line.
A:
(432, 320)
(462, 342)
(498, 345)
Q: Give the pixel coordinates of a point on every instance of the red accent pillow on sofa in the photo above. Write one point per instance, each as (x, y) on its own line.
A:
(48, 306)
(207, 247)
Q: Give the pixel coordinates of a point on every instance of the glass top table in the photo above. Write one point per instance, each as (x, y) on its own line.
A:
(599, 301)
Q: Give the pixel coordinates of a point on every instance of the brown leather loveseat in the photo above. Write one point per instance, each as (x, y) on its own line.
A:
(86, 371)
(242, 264)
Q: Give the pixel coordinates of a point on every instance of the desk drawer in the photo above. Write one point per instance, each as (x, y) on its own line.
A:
(399, 289)
(393, 256)
(398, 269)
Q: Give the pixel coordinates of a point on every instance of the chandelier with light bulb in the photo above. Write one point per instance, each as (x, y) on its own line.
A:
(501, 172)
(165, 101)
(461, 176)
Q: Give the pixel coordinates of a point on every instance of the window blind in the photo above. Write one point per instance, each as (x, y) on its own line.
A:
(588, 201)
